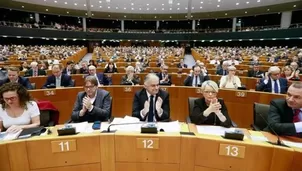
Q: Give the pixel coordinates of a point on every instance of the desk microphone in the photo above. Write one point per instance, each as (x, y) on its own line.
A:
(279, 142)
(108, 129)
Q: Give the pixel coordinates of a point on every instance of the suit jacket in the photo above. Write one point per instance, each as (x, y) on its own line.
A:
(100, 111)
(139, 100)
(65, 81)
(268, 87)
(189, 79)
(220, 72)
(135, 80)
(73, 71)
(21, 80)
(29, 73)
(179, 65)
(83, 71)
(160, 76)
(107, 70)
(102, 79)
(252, 73)
(280, 118)
(198, 118)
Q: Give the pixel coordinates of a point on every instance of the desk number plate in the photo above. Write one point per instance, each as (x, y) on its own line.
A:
(50, 92)
(231, 150)
(63, 146)
(147, 143)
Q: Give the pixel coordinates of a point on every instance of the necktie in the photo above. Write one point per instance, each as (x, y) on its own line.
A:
(195, 81)
(35, 73)
(151, 114)
(296, 116)
(276, 89)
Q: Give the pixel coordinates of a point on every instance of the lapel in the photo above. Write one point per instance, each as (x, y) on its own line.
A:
(98, 98)
(144, 96)
(288, 112)
(62, 79)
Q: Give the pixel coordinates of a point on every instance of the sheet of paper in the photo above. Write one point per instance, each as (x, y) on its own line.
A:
(169, 126)
(80, 127)
(259, 138)
(132, 124)
(292, 144)
(213, 130)
(9, 136)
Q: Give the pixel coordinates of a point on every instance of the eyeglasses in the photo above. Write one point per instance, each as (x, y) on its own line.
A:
(10, 98)
(210, 92)
(89, 87)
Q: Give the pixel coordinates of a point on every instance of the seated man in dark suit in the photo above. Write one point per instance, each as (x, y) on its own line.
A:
(34, 71)
(13, 76)
(196, 78)
(84, 68)
(164, 77)
(151, 103)
(57, 79)
(93, 104)
(69, 70)
(255, 72)
(181, 64)
(101, 78)
(273, 82)
(223, 70)
(285, 115)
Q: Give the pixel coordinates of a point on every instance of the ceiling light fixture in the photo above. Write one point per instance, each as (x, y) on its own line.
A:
(75, 4)
(65, 3)
(101, 7)
(170, 2)
(163, 9)
(84, 5)
(186, 8)
(125, 8)
(91, 6)
(237, 3)
(108, 1)
(218, 6)
(178, 3)
(162, 4)
(268, 9)
(245, 12)
(22, 6)
(147, 4)
(132, 3)
(170, 8)
(247, 2)
(100, 1)
(132, 8)
(295, 6)
(108, 7)
(147, 8)
(192, 7)
(259, 1)
(201, 2)
(155, 9)
(200, 7)
(67, 12)
(56, 1)
(177, 8)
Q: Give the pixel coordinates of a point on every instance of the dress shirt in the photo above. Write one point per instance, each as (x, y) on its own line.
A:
(97, 79)
(198, 80)
(298, 125)
(92, 101)
(154, 108)
(273, 85)
(58, 81)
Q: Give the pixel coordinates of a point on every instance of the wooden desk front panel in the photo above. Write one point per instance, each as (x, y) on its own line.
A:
(145, 167)
(87, 152)
(168, 152)
(4, 158)
(86, 167)
(257, 158)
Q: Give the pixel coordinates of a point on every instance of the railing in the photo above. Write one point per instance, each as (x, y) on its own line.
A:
(65, 27)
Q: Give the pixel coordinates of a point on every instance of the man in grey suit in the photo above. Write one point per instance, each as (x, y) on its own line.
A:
(196, 78)
(93, 104)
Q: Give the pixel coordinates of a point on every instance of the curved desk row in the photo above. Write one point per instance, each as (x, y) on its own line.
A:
(132, 151)
(239, 103)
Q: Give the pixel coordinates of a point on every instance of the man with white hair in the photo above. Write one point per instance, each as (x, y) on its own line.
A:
(223, 70)
(273, 82)
(34, 71)
(102, 80)
(151, 103)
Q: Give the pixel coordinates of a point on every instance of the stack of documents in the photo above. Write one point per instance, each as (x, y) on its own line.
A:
(213, 130)
(133, 124)
(292, 144)
(9, 136)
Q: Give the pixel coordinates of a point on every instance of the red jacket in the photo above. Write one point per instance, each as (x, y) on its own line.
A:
(47, 105)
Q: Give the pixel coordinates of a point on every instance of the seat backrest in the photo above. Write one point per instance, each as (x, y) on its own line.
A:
(44, 118)
(33, 85)
(73, 82)
(261, 113)
(191, 104)
(110, 111)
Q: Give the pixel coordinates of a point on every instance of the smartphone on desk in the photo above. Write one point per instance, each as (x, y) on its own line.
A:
(96, 125)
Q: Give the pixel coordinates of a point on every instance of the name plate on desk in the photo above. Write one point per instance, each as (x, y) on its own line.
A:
(147, 143)
(127, 89)
(63, 146)
(240, 94)
(232, 150)
(49, 92)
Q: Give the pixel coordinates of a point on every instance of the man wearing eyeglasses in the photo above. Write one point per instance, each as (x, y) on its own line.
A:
(272, 82)
(93, 104)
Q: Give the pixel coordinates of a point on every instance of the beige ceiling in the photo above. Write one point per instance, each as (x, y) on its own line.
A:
(154, 10)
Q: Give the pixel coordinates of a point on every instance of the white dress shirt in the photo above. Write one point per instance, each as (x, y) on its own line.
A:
(234, 83)
(298, 125)
(154, 108)
(193, 81)
(92, 101)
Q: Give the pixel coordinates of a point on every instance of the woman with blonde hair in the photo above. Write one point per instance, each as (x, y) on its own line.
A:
(230, 81)
(209, 110)
(289, 73)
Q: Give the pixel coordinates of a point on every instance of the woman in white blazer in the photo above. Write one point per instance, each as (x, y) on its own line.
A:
(231, 80)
